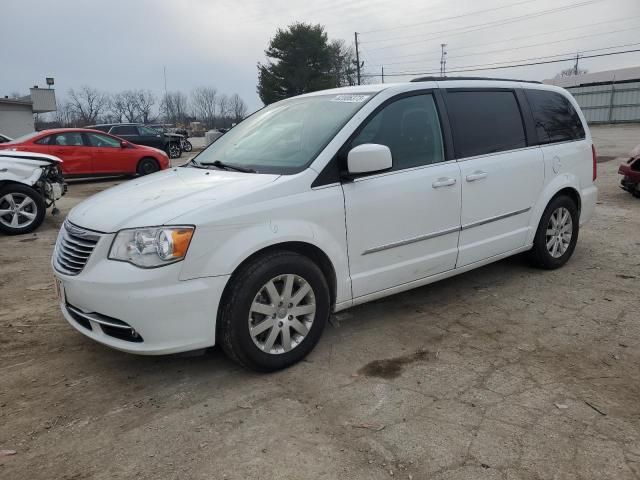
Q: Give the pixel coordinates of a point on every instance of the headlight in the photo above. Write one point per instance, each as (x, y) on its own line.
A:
(151, 247)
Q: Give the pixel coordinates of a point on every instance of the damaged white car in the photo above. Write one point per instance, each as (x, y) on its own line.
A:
(29, 184)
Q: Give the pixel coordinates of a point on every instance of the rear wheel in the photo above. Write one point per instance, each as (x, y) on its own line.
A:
(147, 166)
(22, 209)
(174, 150)
(274, 312)
(557, 234)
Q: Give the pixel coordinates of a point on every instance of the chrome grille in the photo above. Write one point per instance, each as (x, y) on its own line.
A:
(73, 248)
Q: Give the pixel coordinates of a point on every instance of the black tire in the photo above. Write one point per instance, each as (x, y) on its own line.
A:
(539, 255)
(186, 146)
(235, 310)
(21, 192)
(147, 166)
(173, 150)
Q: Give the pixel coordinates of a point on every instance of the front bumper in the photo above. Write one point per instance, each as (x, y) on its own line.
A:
(167, 315)
(630, 178)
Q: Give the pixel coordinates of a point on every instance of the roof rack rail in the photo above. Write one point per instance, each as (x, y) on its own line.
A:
(436, 79)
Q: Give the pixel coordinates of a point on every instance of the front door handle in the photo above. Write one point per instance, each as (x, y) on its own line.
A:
(478, 175)
(443, 182)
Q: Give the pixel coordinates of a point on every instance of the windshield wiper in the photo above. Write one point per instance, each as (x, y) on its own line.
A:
(229, 166)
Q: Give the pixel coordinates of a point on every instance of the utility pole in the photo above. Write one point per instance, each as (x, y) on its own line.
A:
(443, 60)
(575, 67)
(164, 71)
(382, 73)
(357, 58)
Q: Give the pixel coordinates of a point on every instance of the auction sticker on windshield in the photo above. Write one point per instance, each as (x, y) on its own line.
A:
(350, 98)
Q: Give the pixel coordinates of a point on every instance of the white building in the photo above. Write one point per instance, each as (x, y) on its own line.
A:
(612, 96)
(17, 114)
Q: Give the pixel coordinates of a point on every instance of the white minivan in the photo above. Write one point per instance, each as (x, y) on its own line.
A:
(325, 201)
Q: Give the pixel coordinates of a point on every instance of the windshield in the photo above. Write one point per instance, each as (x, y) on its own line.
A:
(284, 137)
(26, 137)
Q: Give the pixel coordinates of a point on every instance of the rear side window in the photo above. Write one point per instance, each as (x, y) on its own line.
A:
(410, 128)
(485, 122)
(555, 118)
(124, 130)
(147, 132)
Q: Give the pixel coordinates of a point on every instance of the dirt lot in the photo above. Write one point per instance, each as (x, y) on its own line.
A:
(501, 373)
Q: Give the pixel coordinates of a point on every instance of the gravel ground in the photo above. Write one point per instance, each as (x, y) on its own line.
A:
(505, 372)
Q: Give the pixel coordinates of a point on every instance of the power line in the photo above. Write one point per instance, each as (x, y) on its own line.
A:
(441, 19)
(549, 56)
(381, 60)
(520, 47)
(465, 69)
(482, 26)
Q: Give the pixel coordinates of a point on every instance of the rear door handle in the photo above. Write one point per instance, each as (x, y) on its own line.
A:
(479, 175)
(443, 182)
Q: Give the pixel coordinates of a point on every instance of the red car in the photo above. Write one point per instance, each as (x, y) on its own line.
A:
(630, 172)
(90, 152)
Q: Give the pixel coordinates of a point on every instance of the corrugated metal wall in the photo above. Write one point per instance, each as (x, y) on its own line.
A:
(612, 103)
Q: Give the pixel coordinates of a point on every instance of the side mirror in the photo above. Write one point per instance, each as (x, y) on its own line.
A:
(124, 144)
(369, 157)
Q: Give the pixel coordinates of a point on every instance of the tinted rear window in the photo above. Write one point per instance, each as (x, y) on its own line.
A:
(124, 130)
(485, 122)
(555, 118)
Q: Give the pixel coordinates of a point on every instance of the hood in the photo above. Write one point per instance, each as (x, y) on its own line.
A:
(158, 198)
(28, 158)
(24, 167)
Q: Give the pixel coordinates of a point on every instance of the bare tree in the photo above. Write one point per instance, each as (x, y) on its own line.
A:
(571, 72)
(87, 104)
(174, 107)
(125, 105)
(237, 108)
(343, 67)
(145, 100)
(223, 107)
(64, 115)
(204, 104)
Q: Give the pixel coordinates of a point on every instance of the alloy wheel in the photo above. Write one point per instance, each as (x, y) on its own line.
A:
(559, 232)
(282, 313)
(17, 210)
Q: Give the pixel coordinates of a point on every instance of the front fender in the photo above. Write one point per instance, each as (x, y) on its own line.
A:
(25, 176)
(219, 248)
(562, 181)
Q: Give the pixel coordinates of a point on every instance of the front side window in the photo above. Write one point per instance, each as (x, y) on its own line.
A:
(284, 137)
(410, 128)
(555, 118)
(124, 130)
(43, 140)
(103, 141)
(68, 139)
(484, 122)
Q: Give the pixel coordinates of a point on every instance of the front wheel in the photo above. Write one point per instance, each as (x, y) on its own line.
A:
(186, 146)
(147, 166)
(22, 209)
(557, 234)
(274, 311)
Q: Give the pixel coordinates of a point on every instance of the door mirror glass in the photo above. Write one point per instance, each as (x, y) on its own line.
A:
(369, 157)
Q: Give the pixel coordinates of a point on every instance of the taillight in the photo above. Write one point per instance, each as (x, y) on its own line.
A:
(595, 162)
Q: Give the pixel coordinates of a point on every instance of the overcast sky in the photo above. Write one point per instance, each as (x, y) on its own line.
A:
(125, 44)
